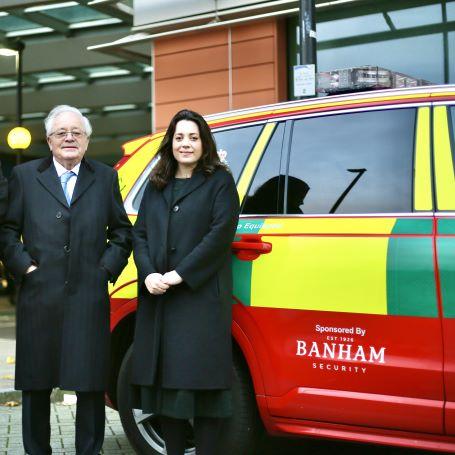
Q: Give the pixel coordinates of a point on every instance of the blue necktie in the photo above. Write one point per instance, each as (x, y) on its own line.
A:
(64, 179)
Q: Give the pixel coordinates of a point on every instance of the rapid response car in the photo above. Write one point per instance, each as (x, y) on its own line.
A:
(344, 271)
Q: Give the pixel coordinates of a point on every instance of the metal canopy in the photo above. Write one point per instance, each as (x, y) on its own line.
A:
(153, 20)
(113, 91)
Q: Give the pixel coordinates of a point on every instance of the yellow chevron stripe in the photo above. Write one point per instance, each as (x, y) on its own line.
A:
(230, 118)
(445, 177)
(318, 104)
(131, 146)
(366, 225)
(136, 165)
(422, 177)
(444, 93)
(256, 154)
(310, 273)
(318, 273)
(352, 101)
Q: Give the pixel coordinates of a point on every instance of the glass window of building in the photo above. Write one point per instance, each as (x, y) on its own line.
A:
(450, 7)
(351, 26)
(451, 45)
(417, 39)
(397, 54)
(416, 16)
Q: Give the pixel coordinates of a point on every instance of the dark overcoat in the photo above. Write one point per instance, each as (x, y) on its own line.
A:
(190, 325)
(63, 306)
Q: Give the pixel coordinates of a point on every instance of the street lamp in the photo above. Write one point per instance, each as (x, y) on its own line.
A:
(19, 138)
(16, 49)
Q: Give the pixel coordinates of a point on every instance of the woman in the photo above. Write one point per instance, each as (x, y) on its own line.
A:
(182, 249)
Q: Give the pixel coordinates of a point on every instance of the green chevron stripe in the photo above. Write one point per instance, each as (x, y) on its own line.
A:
(411, 289)
(446, 226)
(446, 263)
(242, 270)
(413, 226)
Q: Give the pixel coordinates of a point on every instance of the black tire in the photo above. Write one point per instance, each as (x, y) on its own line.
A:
(239, 434)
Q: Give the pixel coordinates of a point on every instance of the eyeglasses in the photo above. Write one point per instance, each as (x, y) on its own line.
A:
(61, 134)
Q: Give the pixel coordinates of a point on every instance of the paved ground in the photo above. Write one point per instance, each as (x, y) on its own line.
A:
(63, 415)
(115, 442)
(7, 345)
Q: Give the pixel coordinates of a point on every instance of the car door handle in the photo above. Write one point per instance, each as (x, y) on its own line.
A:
(250, 250)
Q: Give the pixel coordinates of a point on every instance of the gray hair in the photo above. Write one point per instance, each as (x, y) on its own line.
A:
(49, 120)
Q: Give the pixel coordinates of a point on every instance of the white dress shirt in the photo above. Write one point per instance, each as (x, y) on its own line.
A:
(72, 181)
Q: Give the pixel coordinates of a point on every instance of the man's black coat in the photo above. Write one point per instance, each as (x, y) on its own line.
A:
(191, 323)
(63, 306)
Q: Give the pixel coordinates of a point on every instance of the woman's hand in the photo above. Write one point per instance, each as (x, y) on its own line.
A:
(155, 284)
(172, 278)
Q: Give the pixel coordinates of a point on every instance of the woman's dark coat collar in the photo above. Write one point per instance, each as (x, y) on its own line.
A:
(196, 180)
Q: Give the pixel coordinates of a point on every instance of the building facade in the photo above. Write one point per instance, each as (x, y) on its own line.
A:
(229, 54)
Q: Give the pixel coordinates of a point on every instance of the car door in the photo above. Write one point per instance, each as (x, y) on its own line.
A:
(443, 146)
(344, 304)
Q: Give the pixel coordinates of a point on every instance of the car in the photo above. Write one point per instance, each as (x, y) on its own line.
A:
(344, 271)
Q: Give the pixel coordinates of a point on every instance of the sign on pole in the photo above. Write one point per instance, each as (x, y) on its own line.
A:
(304, 80)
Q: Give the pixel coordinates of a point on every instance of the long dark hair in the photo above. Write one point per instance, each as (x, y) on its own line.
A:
(165, 169)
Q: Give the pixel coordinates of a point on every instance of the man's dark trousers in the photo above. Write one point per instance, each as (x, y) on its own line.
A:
(90, 418)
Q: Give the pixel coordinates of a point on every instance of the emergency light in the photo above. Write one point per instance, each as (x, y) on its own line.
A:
(363, 78)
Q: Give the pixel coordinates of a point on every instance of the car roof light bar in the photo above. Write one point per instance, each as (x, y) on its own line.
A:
(362, 78)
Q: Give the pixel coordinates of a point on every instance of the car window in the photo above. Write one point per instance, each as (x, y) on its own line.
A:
(141, 184)
(235, 145)
(352, 163)
(264, 195)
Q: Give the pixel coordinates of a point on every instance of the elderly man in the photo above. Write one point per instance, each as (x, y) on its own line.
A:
(65, 235)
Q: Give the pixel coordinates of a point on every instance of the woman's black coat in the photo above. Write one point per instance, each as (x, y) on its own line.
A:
(191, 322)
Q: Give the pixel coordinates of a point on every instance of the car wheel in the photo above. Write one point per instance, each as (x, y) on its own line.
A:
(242, 432)
(239, 434)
